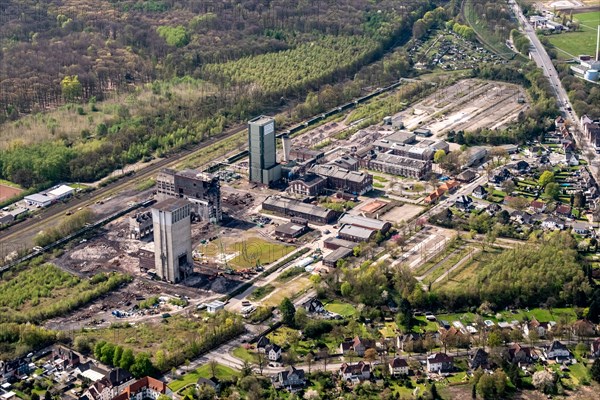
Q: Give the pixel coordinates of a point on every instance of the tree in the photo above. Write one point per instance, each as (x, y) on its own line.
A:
(518, 203)
(545, 381)
(508, 186)
(71, 87)
(309, 360)
(434, 393)
(142, 365)
(261, 360)
(288, 312)
(346, 289)
(117, 355)
(545, 178)
(439, 156)
(370, 355)
(127, 359)
(552, 190)
(595, 370)
(213, 364)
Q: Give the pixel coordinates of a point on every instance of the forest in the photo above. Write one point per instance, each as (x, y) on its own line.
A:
(58, 54)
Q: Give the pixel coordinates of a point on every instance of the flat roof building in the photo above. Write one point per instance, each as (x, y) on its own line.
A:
(172, 239)
(295, 208)
(291, 230)
(336, 243)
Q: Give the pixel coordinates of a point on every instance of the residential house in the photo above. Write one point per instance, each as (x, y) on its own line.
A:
(408, 340)
(583, 328)
(522, 167)
(595, 348)
(557, 350)
(144, 388)
(521, 217)
(571, 159)
(518, 354)
(355, 372)
(540, 327)
(440, 362)
(262, 343)
(398, 366)
(213, 383)
(493, 208)
(563, 210)
(537, 206)
(464, 203)
(581, 228)
(466, 176)
(479, 360)
(357, 345)
(69, 358)
(314, 306)
(110, 385)
(559, 122)
(273, 352)
(290, 378)
(553, 224)
(479, 192)
(500, 176)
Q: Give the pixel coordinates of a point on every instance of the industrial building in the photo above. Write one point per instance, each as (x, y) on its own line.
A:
(293, 229)
(44, 199)
(341, 179)
(203, 190)
(141, 225)
(331, 259)
(356, 233)
(405, 144)
(303, 154)
(295, 208)
(172, 239)
(308, 185)
(263, 166)
(399, 165)
(365, 222)
(336, 243)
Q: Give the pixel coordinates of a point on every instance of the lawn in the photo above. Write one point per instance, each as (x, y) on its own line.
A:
(540, 314)
(244, 354)
(222, 372)
(422, 325)
(579, 374)
(261, 292)
(343, 309)
(389, 329)
(583, 41)
(283, 336)
(256, 251)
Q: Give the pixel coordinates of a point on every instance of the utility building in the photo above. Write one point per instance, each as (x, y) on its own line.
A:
(172, 239)
(263, 167)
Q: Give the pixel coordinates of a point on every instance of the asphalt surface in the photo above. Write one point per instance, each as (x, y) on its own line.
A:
(540, 56)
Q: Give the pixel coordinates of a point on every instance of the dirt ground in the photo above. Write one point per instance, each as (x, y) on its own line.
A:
(6, 192)
(466, 105)
(402, 213)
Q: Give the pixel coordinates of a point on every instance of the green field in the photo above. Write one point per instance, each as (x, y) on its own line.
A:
(222, 372)
(256, 251)
(572, 44)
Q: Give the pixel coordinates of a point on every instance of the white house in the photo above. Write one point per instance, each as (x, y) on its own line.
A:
(439, 362)
(273, 352)
(359, 371)
(553, 223)
(398, 366)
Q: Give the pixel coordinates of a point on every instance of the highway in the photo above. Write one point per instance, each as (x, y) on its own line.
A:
(541, 58)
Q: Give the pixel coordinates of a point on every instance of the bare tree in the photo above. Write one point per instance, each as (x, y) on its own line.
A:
(261, 360)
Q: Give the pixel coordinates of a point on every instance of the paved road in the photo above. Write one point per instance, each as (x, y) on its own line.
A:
(541, 58)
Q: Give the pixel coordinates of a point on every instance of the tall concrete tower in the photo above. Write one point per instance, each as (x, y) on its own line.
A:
(263, 167)
(172, 239)
(286, 142)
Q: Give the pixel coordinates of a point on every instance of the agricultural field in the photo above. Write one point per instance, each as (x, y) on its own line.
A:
(45, 291)
(572, 44)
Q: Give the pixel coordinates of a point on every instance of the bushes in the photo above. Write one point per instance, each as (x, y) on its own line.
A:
(69, 225)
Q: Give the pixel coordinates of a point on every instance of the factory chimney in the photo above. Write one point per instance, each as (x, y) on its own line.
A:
(286, 141)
